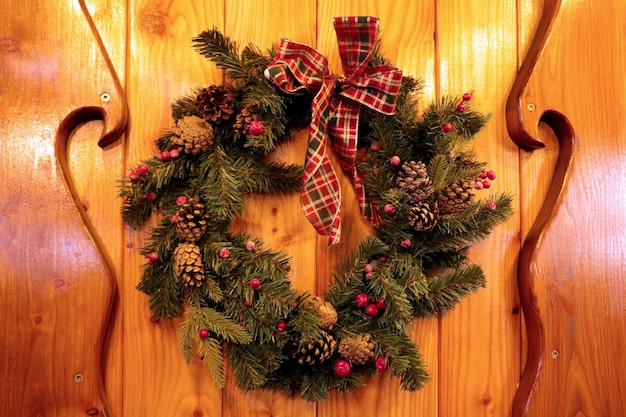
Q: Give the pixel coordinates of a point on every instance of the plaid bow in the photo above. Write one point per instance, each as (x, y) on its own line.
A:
(298, 69)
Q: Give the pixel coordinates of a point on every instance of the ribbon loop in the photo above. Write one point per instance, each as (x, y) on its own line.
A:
(298, 69)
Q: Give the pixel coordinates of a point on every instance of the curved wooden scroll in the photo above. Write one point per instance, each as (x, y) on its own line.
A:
(56, 287)
(572, 267)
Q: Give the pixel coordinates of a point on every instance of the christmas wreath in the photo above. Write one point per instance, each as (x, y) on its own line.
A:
(414, 179)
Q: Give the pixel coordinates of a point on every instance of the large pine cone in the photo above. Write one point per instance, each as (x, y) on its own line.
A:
(192, 135)
(414, 178)
(325, 311)
(456, 197)
(215, 103)
(423, 216)
(247, 115)
(191, 221)
(357, 349)
(315, 352)
(188, 264)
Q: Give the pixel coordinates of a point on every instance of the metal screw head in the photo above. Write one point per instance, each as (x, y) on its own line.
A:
(106, 97)
(531, 107)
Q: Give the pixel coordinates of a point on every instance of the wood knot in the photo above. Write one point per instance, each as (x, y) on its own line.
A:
(154, 23)
(93, 412)
(197, 413)
(9, 45)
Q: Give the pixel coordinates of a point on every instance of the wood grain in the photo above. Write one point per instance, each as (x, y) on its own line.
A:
(161, 67)
(480, 339)
(570, 288)
(56, 285)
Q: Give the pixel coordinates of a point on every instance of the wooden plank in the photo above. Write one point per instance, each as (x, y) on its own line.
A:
(277, 220)
(56, 286)
(161, 67)
(481, 337)
(96, 172)
(407, 29)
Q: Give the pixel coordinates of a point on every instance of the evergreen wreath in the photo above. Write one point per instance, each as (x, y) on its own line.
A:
(234, 291)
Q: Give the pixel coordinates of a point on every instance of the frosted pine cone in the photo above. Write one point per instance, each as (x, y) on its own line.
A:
(325, 311)
(357, 349)
(192, 135)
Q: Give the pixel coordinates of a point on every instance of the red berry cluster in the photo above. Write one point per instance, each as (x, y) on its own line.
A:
(172, 154)
(484, 179)
(371, 307)
(138, 173)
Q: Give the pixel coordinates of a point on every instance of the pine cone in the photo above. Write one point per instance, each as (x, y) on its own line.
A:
(455, 198)
(188, 263)
(315, 352)
(423, 216)
(325, 311)
(215, 103)
(247, 115)
(357, 349)
(192, 135)
(191, 221)
(415, 180)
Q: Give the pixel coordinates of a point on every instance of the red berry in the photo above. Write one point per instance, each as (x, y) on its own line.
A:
(133, 176)
(461, 107)
(381, 304)
(447, 127)
(371, 310)
(224, 253)
(478, 185)
(281, 326)
(153, 257)
(491, 205)
(203, 333)
(256, 128)
(467, 97)
(361, 300)
(375, 146)
(255, 283)
(491, 175)
(342, 368)
(369, 275)
(250, 245)
(368, 268)
(142, 169)
(395, 160)
(486, 184)
(482, 175)
(174, 153)
(181, 200)
(247, 303)
(389, 208)
(381, 364)
(382, 258)
(151, 197)
(173, 218)
(405, 243)
(165, 156)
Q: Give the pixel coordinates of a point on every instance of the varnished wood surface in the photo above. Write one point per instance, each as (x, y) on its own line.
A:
(56, 284)
(475, 354)
(571, 265)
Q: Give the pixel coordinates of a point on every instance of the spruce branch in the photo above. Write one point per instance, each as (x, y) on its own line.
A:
(221, 50)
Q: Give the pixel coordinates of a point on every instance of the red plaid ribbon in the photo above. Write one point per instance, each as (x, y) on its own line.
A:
(298, 69)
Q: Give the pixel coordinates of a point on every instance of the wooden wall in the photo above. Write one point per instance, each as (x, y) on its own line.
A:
(475, 353)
